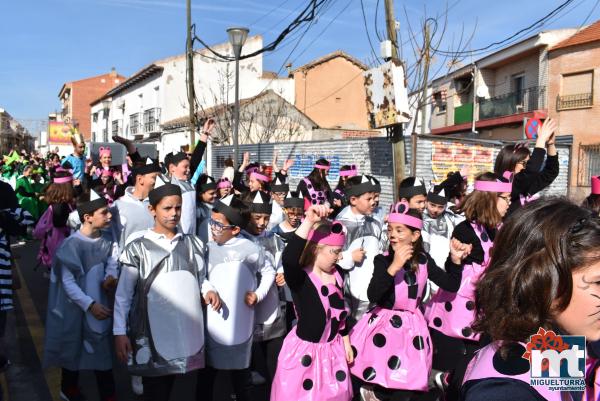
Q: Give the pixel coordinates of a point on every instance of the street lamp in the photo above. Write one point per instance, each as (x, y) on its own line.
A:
(237, 38)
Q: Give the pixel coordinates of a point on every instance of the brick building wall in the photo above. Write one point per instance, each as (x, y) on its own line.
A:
(583, 123)
(84, 92)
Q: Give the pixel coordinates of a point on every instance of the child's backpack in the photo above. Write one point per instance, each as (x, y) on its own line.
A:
(50, 236)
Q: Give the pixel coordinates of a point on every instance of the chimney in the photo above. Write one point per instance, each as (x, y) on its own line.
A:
(289, 68)
(113, 72)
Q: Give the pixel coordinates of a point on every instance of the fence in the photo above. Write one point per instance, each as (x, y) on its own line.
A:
(588, 165)
(374, 156)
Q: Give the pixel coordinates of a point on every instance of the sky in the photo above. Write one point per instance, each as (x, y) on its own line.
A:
(45, 43)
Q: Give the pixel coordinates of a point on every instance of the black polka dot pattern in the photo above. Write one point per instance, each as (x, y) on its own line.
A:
(379, 340)
(306, 361)
(340, 375)
(484, 237)
(394, 363)
(343, 315)
(470, 305)
(437, 322)
(467, 332)
(514, 364)
(307, 384)
(396, 321)
(369, 374)
(448, 306)
(418, 343)
(354, 351)
(324, 290)
(422, 259)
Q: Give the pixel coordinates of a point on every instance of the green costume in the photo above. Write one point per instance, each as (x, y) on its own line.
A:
(27, 197)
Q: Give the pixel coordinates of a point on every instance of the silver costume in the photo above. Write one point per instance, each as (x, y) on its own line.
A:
(188, 206)
(232, 269)
(166, 324)
(75, 339)
(363, 232)
(270, 313)
(130, 215)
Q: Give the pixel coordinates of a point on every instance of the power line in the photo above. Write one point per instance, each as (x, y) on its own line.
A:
(525, 30)
(306, 16)
(256, 21)
(362, 7)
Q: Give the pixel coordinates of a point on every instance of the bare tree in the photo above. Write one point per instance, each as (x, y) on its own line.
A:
(265, 118)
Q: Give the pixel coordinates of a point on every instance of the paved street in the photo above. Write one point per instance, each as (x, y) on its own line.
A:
(25, 380)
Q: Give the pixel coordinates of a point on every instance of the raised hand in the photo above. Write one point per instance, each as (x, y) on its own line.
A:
(402, 254)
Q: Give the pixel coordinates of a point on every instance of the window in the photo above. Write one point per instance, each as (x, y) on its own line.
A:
(589, 164)
(518, 87)
(439, 100)
(149, 120)
(104, 135)
(105, 113)
(115, 127)
(95, 117)
(134, 123)
(576, 91)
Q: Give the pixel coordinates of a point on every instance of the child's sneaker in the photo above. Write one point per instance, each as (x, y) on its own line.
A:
(136, 385)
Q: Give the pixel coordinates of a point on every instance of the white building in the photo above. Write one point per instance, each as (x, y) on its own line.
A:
(139, 106)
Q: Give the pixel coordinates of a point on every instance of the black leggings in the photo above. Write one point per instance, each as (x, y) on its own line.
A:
(240, 378)
(69, 382)
(264, 357)
(158, 388)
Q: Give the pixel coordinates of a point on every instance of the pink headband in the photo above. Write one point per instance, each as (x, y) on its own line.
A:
(398, 214)
(63, 180)
(63, 170)
(596, 185)
(251, 170)
(336, 237)
(107, 173)
(348, 173)
(224, 184)
(259, 177)
(493, 186)
(104, 151)
(322, 167)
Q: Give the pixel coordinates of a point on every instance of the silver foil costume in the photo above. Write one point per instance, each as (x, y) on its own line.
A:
(130, 215)
(166, 324)
(232, 270)
(270, 313)
(188, 206)
(363, 232)
(75, 339)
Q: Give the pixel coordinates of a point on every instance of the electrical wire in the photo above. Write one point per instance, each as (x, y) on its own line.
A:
(306, 16)
(535, 25)
(362, 7)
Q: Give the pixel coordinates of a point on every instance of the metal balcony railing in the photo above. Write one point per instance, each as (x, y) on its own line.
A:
(522, 101)
(574, 101)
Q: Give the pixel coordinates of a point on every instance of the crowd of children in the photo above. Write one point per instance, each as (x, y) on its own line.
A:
(316, 292)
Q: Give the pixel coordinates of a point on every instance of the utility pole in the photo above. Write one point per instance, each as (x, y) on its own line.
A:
(422, 104)
(426, 62)
(190, 76)
(398, 151)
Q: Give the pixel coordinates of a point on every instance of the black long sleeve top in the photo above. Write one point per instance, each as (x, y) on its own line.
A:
(381, 288)
(533, 179)
(310, 311)
(465, 233)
